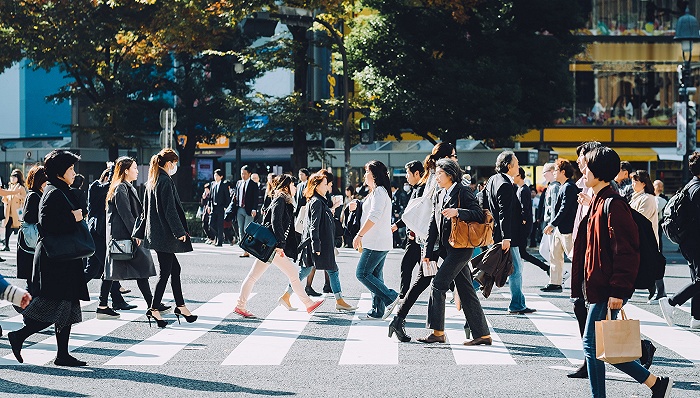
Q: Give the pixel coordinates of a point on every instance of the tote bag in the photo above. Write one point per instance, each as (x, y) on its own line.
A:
(617, 341)
(545, 247)
(419, 212)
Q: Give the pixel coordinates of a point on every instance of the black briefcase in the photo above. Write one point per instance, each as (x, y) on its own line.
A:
(259, 241)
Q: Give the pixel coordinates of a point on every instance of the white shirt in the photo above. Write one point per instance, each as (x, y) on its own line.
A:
(241, 191)
(377, 208)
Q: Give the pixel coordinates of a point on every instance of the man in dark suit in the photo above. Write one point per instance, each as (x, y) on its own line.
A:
(525, 228)
(220, 199)
(246, 199)
(499, 197)
(562, 225)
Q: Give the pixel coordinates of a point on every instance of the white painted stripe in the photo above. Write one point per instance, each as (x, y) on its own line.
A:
(4, 303)
(273, 338)
(367, 342)
(685, 307)
(496, 354)
(81, 334)
(161, 347)
(684, 343)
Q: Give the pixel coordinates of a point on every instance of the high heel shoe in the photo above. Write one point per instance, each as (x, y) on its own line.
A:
(397, 326)
(189, 318)
(161, 323)
(285, 305)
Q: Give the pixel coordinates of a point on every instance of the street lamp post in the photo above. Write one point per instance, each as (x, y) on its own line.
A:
(687, 32)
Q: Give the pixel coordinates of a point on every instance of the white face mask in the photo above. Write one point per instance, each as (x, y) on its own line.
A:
(407, 188)
(173, 170)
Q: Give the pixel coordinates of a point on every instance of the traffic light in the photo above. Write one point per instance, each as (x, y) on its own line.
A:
(366, 131)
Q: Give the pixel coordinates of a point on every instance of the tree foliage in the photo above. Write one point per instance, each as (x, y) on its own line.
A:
(490, 74)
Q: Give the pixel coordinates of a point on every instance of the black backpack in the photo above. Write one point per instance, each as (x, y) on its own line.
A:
(652, 264)
(679, 216)
(354, 222)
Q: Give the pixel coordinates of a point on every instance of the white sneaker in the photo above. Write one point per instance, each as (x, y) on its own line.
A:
(390, 308)
(666, 310)
(694, 323)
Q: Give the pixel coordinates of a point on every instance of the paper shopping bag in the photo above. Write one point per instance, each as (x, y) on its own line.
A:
(617, 341)
(545, 247)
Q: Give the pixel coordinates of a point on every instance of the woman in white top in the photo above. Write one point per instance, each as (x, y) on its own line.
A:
(644, 201)
(375, 240)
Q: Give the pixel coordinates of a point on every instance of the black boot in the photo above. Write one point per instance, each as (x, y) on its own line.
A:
(397, 326)
(581, 373)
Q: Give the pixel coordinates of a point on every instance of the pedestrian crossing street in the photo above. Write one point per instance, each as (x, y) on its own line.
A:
(365, 342)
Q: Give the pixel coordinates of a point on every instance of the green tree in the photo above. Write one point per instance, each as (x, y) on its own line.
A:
(492, 72)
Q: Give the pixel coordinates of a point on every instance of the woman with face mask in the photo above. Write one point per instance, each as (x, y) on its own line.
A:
(13, 206)
(163, 228)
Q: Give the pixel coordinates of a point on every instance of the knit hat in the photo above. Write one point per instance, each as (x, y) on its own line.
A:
(58, 161)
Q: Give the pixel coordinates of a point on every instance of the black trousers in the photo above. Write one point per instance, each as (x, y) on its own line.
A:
(530, 258)
(691, 291)
(108, 286)
(455, 268)
(95, 267)
(419, 285)
(217, 224)
(411, 257)
(169, 268)
(9, 230)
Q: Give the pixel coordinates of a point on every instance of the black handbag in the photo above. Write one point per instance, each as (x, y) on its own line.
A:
(75, 245)
(259, 241)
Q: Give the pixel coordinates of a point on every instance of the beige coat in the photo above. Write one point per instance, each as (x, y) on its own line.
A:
(646, 204)
(13, 206)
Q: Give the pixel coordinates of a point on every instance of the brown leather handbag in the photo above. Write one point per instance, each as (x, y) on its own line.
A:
(471, 234)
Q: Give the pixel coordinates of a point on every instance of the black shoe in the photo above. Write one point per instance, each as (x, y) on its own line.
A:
(662, 388)
(107, 313)
(123, 306)
(397, 326)
(431, 338)
(648, 350)
(162, 308)
(161, 323)
(311, 292)
(189, 318)
(581, 373)
(523, 312)
(16, 345)
(2, 260)
(552, 288)
(69, 361)
(327, 289)
(6, 249)
(652, 292)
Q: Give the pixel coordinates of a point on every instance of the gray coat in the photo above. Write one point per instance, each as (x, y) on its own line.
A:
(122, 211)
(163, 219)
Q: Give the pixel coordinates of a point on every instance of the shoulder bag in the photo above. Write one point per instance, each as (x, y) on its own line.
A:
(259, 241)
(419, 212)
(124, 249)
(471, 234)
(72, 246)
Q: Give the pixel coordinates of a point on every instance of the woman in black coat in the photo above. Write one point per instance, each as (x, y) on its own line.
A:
(317, 247)
(279, 216)
(36, 182)
(61, 284)
(453, 200)
(123, 208)
(163, 228)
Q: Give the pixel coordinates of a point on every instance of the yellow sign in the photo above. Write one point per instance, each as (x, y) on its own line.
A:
(221, 143)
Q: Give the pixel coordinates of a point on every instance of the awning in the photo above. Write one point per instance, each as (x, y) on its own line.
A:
(628, 154)
(668, 154)
(260, 155)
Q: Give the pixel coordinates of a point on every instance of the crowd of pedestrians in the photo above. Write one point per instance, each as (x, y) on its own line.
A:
(590, 221)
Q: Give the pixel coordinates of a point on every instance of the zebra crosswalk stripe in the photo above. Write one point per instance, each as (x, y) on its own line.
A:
(367, 342)
(161, 347)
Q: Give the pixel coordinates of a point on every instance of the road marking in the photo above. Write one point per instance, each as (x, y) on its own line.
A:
(684, 343)
(367, 342)
(271, 341)
(161, 347)
(496, 354)
(81, 334)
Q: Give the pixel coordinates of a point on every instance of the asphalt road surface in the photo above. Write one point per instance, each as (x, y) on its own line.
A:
(290, 353)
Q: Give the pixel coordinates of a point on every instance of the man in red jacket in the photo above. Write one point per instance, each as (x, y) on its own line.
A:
(605, 266)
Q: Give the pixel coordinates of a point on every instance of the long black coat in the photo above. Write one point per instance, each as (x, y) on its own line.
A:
(122, 211)
(163, 220)
(319, 236)
(499, 197)
(461, 198)
(280, 217)
(25, 261)
(58, 280)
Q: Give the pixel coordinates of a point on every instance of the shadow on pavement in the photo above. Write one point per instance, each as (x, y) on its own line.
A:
(15, 389)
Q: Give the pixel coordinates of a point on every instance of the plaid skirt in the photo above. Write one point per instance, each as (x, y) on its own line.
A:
(61, 313)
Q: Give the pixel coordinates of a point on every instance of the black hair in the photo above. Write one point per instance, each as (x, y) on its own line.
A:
(57, 162)
(504, 160)
(245, 168)
(380, 174)
(78, 182)
(603, 162)
(305, 171)
(415, 166)
(207, 185)
(627, 166)
(563, 164)
(694, 163)
(587, 147)
(451, 168)
(219, 172)
(643, 177)
(521, 172)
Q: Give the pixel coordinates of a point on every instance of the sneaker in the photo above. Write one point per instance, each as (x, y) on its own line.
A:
(662, 388)
(666, 310)
(390, 308)
(694, 323)
(368, 317)
(107, 313)
(314, 307)
(552, 288)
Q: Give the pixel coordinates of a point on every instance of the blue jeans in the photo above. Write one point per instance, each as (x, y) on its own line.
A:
(370, 271)
(332, 276)
(596, 368)
(515, 282)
